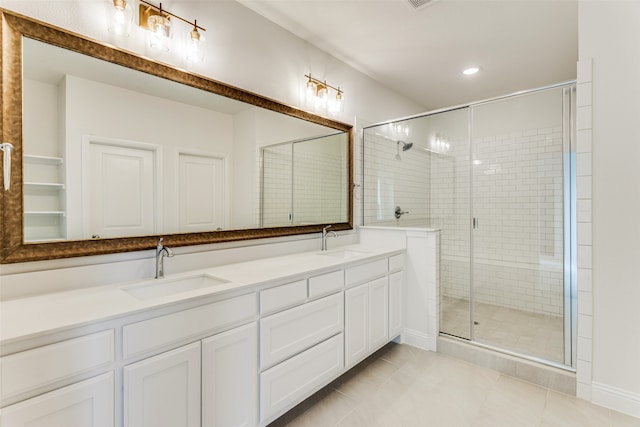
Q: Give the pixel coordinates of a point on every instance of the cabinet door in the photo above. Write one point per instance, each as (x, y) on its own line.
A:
(164, 390)
(230, 378)
(88, 403)
(395, 304)
(378, 313)
(356, 326)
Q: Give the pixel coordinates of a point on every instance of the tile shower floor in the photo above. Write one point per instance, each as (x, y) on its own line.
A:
(402, 386)
(517, 330)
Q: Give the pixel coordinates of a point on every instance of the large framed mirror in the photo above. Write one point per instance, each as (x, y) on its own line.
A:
(113, 151)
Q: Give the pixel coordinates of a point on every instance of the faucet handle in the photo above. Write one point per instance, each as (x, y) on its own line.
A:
(326, 228)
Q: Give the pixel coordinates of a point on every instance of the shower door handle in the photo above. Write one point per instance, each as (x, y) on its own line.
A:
(475, 223)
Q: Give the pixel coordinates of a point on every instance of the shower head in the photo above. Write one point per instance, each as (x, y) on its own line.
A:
(405, 145)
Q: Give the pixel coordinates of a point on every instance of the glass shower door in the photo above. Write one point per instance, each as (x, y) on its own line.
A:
(517, 187)
(447, 140)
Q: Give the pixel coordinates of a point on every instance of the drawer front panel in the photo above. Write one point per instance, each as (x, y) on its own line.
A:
(155, 333)
(326, 284)
(290, 382)
(365, 272)
(284, 296)
(28, 370)
(290, 332)
(87, 403)
(396, 262)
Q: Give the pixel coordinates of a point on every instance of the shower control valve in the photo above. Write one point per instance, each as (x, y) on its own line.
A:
(399, 212)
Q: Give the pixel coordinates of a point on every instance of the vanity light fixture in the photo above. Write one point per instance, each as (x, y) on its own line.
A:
(158, 21)
(120, 17)
(317, 93)
(194, 51)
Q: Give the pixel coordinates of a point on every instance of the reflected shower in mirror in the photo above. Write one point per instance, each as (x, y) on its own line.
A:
(301, 182)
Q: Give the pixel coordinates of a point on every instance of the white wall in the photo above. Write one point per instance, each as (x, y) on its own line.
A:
(244, 50)
(609, 35)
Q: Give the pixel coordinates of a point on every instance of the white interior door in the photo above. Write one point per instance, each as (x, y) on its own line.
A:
(201, 193)
(120, 195)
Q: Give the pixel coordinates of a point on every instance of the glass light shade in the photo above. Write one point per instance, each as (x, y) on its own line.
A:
(321, 97)
(120, 16)
(310, 91)
(337, 105)
(159, 32)
(321, 91)
(194, 52)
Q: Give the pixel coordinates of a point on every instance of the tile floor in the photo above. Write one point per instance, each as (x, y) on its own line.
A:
(402, 386)
(517, 330)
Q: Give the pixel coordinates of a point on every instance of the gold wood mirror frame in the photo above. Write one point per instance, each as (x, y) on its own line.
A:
(14, 249)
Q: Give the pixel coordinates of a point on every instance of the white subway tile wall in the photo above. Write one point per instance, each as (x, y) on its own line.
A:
(390, 182)
(584, 149)
(316, 181)
(277, 186)
(303, 191)
(517, 200)
(518, 203)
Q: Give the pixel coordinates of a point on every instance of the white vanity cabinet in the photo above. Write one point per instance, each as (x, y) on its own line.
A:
(164, 390)
(373, 309)
(301, 348)
(238, 358)
(356, 324)
(230, 378)
(378, 313)
(88, 403)
(209, 382)
(396, 292)
(366, 320)
(67, 383)
(396, 295)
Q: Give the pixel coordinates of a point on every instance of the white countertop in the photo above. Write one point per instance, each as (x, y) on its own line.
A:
(29, 317)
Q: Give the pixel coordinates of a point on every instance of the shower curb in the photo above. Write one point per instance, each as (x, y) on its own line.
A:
(556, 379)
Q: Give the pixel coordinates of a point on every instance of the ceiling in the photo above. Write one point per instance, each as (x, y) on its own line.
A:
(420, 53)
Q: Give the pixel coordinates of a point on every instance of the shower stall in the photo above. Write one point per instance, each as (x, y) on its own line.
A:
(497, 179)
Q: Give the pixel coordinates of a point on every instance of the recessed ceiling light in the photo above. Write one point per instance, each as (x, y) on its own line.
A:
(471, 70)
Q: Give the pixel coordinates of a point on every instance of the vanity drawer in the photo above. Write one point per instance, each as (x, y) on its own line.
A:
(139, 338)
(290, 382)
(284, 296)
(396, 262)
(326, 284)
(53, 363)
(285, 334)
(366, 272)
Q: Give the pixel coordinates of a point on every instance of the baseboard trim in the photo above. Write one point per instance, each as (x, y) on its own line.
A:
(615, 398)
(419, 339)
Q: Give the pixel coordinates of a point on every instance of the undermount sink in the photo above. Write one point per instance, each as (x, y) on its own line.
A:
(344, 253)
(165, 287)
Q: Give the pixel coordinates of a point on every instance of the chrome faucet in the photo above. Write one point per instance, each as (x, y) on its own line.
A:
(325, 234)
(161, 252)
